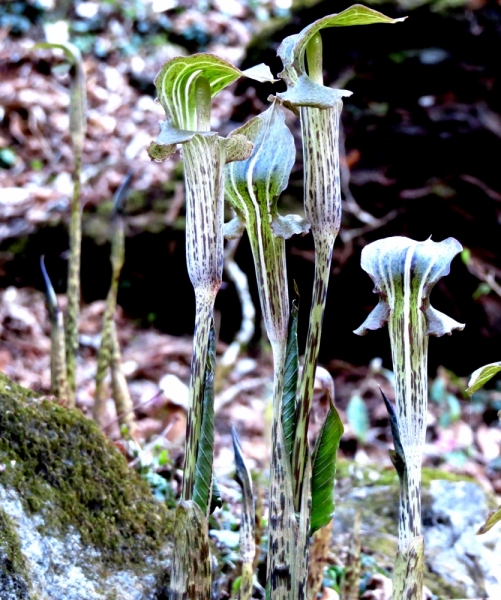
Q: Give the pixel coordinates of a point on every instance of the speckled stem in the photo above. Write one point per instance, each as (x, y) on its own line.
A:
(320, 129)
(204, 171)
(73, 288)
(409, 347)
(105, 354)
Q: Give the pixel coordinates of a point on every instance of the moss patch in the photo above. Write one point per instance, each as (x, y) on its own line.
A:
(13, 575)
(64, 468)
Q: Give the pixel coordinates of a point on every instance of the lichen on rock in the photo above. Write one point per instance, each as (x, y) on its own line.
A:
(75, 521)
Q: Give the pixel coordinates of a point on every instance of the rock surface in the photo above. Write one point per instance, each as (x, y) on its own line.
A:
(459, 564)
(75, 522)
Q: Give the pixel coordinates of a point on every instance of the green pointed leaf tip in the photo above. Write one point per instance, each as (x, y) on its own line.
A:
(404, 271)
(202, 490)
(481, 376)
(176, 84)
(492, 518)
(324, 470)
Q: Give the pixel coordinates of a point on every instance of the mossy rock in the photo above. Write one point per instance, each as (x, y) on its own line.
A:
(75, 521)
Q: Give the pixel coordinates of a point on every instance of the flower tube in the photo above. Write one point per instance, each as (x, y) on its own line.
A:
(404, 272)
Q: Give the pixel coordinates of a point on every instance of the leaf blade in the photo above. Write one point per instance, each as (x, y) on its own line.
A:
(324, 470)
(481, 376)
(291, 369)
(202, 489)
(492, 518)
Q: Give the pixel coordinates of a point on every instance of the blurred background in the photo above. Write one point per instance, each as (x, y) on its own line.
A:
(421, 157)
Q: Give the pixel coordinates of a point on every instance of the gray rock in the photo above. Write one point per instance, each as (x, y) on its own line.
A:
(454, 551)
(459, 563)
(75, 522)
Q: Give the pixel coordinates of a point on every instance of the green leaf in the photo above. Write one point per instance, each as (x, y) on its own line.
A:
(176, 84)
(358, 417)
(481, 376)
(290, 380)
(324, 470)
(293, 49)
(205, 456)
(493, 518)
(355, 15)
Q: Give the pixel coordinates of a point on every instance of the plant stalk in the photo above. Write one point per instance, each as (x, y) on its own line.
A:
(73, 288)
(320, 129)
(204, 172)
(409, 348)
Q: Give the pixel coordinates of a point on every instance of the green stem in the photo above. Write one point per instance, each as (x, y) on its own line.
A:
(73, 288)
(314, 57)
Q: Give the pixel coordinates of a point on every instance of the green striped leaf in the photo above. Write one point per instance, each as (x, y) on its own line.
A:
(202, 489)
(290, 380)
(481, 376)
(176, 84)
(324, 470)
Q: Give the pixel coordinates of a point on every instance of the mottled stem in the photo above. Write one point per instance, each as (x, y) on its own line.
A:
(204, 309)
(409, 347)
(320, 129)
(105, 353)
(73, 288)
(120, 389)
(282, 535)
